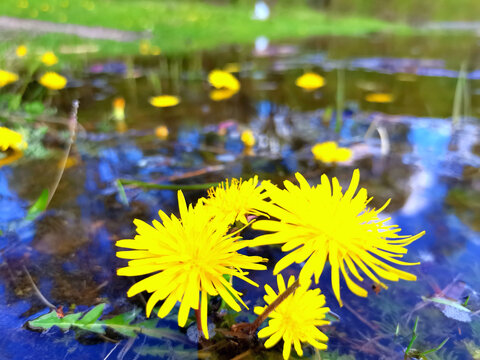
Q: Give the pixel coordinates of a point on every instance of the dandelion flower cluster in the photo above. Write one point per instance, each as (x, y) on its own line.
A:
(10, 139)
(53, 81)
(296, 319)
(189, 257)
(320, 223)
(7, 77)
(329, 152)
(235, 200)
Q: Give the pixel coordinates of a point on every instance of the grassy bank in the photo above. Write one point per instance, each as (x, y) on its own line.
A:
(178, 26)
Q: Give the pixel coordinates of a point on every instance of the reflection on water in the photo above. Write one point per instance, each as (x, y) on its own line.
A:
(407, 150)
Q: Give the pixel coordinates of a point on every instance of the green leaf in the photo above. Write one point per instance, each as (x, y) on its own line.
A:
(39, 206)
(92, 315)
(89, 321)
(444, 301)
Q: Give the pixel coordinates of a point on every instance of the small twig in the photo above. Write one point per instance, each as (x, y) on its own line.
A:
(360, 317)
(111, 351)
(242, 355)
(42, 298)
(72, 126)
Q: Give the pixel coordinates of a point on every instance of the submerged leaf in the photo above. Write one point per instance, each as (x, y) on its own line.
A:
(39, 206)
(89, 321)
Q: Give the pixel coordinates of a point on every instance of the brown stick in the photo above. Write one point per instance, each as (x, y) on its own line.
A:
(251, 328)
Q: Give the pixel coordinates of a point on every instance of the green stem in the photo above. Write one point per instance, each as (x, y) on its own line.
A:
(147, 185)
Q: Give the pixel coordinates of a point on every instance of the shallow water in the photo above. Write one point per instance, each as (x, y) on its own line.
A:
(430, 170)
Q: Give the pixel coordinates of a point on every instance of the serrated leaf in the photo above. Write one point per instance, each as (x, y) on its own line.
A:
(89, 321)
(39, 206)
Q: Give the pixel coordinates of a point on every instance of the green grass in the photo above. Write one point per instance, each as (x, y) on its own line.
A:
(180, 26)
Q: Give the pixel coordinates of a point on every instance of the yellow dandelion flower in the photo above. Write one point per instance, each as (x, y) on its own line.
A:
(330, 152)
(310, 81)
(164, 101)
(49, 58)
(222, 94)
(236, 199)
(161, 132)
(223, 80)
(7, 77)
(296, 319)
(320, 223)
(381, 98)
(53, 81)
(248, 138)
(21, 51)
(190, 256)
(10, 139)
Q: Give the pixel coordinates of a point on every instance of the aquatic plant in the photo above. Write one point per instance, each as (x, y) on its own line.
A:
(310, 81)
(7, 77)
(49, 58)
(296, 319)
(190, 256)
(10, 139)
(53, 81)
(223, 80)
(164, 100)
(236, 200)
(330, 152)
(320, 223)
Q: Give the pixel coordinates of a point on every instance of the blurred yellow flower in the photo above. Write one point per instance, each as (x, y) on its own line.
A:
(118, 109)
(248, 138)
(7, 77)
(379, 98)
(164, 100)
(189, 258)
(222, 94)
(45, 7)
(223, 80)
(296, 319)
(235, 200)
(320, 223)
(21, 51)
(49, 58)
(144, 47)
(10, 139)
(310, 81)
(330, 152)
(161, 132)
(53, 81)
